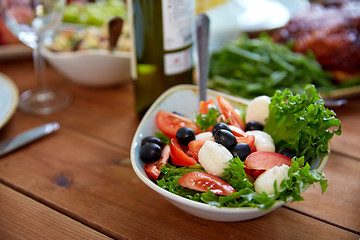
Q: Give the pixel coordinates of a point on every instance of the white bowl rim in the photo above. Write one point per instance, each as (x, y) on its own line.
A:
(184, 200)
(86, 53)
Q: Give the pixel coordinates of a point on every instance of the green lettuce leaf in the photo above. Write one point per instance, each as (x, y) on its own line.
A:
(300, 122)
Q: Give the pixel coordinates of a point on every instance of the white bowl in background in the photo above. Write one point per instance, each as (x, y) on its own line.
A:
(93, 67)
(185, 100)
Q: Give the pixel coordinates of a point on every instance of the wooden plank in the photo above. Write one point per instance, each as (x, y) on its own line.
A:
(83, 171)
(348, 142)
(93, 182)
(340, 203)
(108, 113)
(24, 218)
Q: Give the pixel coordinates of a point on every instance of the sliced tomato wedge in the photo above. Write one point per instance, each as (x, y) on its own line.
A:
(229, 113)
(263, 160)
(201, 181)
(248, 139)
(178, 155)
(153, 169)
(204, 106)
(237, 131)
(169, 123)
(195, 146)
(254, 173)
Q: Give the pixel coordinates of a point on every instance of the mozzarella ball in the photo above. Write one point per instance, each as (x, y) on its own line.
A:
(265, 182)
(258, 110)
(263, 141)
(203, 136)
(213, 157)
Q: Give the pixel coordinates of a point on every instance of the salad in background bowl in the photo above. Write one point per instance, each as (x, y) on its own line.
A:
(80, 48)
(226, 192)
(94, 13)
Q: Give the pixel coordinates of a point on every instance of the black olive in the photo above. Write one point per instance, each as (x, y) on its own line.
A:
(253, 125)
(150, 152)
(225, 138)
(219, 126)
(185, 135)
(151, 139)
(241, 150)
(287, 152)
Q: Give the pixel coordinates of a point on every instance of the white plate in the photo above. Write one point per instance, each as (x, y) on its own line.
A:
(9, 99)
(228, 20)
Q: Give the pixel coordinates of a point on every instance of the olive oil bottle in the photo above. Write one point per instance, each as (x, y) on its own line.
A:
(163, 33)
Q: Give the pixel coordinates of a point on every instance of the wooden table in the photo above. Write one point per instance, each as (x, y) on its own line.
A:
(78, 182)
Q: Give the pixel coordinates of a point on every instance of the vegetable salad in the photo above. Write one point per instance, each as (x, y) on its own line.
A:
(228, 158)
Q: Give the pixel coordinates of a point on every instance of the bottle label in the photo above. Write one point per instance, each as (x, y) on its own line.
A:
(178, 22)
(178, 62)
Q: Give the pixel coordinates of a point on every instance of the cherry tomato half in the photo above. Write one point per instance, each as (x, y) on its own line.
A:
(153, 169)
(178, 156)
(201, 181)
(263, 160)
(195, 146)
(228, 111)
(249, 140)
(169, 123)
(204, 106)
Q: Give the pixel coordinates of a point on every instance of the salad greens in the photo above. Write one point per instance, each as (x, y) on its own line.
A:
(97, 13)
(205, 121)
(299, 178)
(300, 123)
(163, 138)
(296, 121)
(171, 176)
(253, 67)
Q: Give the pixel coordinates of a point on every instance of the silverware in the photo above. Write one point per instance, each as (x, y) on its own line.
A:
(335, 103)
(202, 35)
(24, 138)
(115, 29)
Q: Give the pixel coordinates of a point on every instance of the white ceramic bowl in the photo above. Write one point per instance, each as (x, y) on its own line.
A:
(93, 68)
(185, 100)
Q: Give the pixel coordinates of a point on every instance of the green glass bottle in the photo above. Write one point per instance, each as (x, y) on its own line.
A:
(163, 33)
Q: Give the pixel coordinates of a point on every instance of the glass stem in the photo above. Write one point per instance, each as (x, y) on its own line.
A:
(39, 64)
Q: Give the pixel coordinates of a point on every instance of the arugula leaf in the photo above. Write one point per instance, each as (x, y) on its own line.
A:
(205, 121)
(235, 175)
(253, 67)
(300, 122)
(170, 177)
(163, 138)
(299, 178)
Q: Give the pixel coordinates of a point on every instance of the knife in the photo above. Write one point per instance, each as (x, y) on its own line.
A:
(24, 138)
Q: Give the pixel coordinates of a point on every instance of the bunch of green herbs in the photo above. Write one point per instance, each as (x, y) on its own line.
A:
(253, 67)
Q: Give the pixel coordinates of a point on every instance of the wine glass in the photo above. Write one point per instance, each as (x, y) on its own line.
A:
(31, 21)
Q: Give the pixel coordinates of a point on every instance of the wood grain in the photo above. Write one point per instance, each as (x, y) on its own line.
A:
(101, 189)
(83, 173)
(348, 142)
(24, 218)
(339, 203)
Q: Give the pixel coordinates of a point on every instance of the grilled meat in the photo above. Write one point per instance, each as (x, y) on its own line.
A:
(332, 33)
